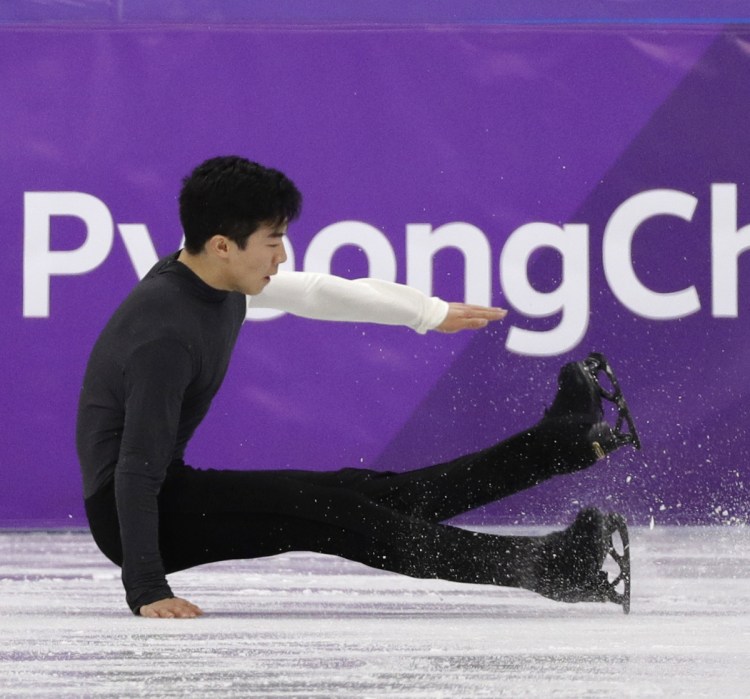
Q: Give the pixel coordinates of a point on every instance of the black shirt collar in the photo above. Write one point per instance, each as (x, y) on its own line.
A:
(196, 285)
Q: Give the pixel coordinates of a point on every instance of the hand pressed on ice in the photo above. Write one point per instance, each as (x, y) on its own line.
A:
(464, 316)
(171, 608)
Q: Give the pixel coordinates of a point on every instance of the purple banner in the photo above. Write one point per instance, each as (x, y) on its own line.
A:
(594, 181)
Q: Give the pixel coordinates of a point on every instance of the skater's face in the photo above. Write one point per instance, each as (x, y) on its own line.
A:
(249, 270)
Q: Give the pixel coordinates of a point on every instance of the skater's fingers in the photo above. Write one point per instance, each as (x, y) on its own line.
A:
(470, 310)
(171, 608)
(464, 316)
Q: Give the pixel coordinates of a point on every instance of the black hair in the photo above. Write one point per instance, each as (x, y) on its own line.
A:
(233, 196)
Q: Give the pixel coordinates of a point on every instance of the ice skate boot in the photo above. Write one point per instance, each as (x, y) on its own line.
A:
(576, 420)
(569, 566)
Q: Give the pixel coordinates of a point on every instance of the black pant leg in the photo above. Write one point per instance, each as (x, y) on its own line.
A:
(207, 516)
(439, 492)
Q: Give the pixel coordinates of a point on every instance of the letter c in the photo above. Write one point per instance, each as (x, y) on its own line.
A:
(618, 260)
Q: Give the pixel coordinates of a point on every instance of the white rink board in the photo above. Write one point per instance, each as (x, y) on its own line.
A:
(305, 625)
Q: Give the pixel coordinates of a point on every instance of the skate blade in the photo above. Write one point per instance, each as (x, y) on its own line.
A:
(596, 363)
(607, 585)
(617, 589)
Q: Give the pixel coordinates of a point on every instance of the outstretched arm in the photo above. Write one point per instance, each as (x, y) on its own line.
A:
(327, 297)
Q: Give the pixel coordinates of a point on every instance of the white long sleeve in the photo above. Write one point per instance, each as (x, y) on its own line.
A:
(326, 297)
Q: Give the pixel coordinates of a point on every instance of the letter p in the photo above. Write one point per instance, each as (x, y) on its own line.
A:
(40, 263)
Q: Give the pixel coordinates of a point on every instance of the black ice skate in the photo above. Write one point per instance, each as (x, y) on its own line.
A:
(569, 566)
(578, 406)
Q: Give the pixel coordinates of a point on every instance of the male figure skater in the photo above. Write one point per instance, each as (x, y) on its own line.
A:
(162, 357)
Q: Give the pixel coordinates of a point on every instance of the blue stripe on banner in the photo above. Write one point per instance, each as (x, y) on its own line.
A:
(550, 12)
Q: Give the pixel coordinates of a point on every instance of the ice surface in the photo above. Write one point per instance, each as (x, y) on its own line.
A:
(305, 625)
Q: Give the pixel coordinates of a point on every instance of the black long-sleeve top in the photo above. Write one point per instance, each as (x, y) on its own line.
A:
(150, 380)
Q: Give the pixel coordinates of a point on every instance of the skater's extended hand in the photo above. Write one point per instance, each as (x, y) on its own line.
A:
(171, 608)
(464, 316)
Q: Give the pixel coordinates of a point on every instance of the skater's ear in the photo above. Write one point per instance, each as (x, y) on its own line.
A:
(218, 246)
